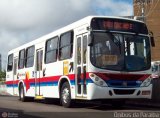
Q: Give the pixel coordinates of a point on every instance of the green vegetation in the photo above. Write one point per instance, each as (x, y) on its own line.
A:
(2, 75)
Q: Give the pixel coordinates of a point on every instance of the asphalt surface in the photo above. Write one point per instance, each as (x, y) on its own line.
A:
(11, 107)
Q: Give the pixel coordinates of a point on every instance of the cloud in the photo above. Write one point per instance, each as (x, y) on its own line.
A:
(24, 20)
(114, 7)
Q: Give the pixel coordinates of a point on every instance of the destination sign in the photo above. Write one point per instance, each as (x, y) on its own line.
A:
(121, 25)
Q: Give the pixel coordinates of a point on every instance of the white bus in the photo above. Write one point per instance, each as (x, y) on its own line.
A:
(97, 57)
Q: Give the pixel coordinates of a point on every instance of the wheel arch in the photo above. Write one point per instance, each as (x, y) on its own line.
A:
(19, 85)
(61, 81)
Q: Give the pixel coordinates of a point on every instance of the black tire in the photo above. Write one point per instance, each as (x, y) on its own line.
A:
(65, 95)
(22, 94)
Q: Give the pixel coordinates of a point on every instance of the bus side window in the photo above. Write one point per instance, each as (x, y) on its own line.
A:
(30, 56)
(21, 59)
(51, 50)
(10, 63)
(66, 45)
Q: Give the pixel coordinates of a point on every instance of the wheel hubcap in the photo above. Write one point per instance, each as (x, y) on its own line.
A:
(65, 95)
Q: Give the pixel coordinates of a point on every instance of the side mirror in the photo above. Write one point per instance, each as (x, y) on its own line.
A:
(90, 39)
(152, 41)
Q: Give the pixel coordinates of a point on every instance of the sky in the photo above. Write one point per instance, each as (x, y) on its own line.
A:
(22, 21)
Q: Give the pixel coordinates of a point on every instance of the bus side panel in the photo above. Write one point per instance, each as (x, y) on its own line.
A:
(9, 83)
(49, 85)
(11, 75)
(27, 76)
(54, 73)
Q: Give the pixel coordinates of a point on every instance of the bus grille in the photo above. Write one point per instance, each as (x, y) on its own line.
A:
(123, 92)
(123, 84)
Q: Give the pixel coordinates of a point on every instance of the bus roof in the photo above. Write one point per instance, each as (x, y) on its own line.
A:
(76, 24)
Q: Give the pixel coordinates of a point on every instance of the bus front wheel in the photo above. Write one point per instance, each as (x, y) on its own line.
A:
(65, 95)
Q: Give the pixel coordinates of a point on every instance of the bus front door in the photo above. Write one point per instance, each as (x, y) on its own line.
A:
(81, 64)
(39, 73)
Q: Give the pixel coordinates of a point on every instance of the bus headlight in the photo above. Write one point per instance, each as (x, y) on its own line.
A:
(146, 82)
(97, 80)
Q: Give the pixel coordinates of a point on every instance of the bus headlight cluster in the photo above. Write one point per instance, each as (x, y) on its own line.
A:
(97, 80)
(146, 82)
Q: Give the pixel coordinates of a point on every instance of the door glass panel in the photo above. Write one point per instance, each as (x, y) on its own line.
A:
(39, 60)
(84, 80)
(15, 66)
(84, 48)
(79, 80)
(79, 50)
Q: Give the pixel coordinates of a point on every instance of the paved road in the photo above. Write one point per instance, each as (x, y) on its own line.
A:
(11, 107)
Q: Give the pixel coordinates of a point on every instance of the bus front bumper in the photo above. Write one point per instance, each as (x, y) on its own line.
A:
(97, 92)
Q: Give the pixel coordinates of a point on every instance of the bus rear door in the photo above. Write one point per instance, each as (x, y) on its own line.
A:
(39, 74)
(15, 64)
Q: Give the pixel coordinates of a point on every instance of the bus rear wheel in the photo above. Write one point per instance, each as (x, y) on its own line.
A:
(22, 94)
(65, 95)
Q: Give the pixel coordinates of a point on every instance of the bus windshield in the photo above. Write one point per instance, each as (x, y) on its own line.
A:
(122, 52)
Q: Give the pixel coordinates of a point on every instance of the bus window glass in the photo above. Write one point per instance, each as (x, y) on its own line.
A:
(117, 51)
(15, 66)
(21, 59)
(51, 50)
(84, 48)
(79, 50)
(30, 57)
(66, 45)
(10, 63)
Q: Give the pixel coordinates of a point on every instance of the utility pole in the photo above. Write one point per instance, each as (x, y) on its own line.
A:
(143, 10)
(142, 4)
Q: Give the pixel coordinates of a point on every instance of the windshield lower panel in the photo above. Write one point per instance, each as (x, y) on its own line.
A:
(122, 52)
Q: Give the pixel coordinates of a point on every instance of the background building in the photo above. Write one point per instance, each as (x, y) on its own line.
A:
(149, 10)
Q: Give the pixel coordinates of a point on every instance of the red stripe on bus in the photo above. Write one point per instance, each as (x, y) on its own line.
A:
(43, 79)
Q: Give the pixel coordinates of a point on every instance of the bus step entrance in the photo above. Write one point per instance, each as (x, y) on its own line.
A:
(39, 97)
